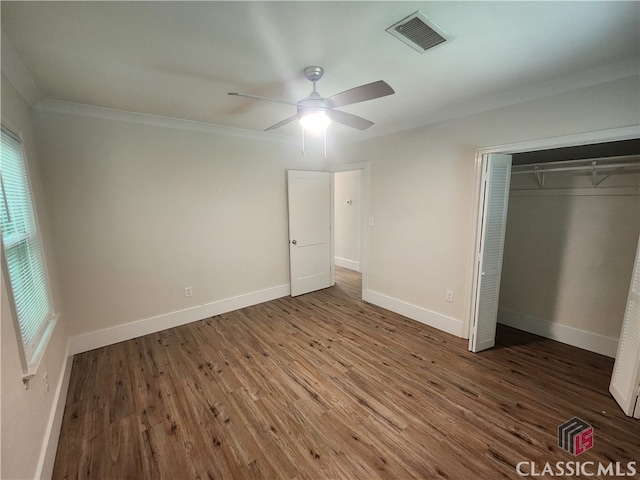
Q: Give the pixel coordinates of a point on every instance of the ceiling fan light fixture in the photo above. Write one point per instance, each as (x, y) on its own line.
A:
(316, 112)
(315, 121)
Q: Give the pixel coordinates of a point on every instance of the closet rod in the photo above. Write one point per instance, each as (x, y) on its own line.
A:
(617, 158)
(590, 168)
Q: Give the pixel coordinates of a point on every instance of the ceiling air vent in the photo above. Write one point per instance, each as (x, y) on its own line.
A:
(418, 32)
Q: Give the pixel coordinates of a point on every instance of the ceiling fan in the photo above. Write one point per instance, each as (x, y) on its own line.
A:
(315, 112)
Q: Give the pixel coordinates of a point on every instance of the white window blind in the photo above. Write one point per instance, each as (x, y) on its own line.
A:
(24, 259)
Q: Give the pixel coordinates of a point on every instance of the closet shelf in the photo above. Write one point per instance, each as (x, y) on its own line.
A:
(539, 170)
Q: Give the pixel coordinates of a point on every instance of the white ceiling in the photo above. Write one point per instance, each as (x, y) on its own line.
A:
(179, 59)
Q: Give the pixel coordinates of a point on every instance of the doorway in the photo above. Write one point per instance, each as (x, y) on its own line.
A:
(350, 217)
(569, 245)
(483, 321)
(479, 297)
(346, 207)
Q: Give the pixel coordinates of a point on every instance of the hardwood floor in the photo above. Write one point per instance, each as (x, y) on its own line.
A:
(326, 386)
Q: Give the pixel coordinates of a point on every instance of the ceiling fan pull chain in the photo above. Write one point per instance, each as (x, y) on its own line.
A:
(325, 143)
(303, 154)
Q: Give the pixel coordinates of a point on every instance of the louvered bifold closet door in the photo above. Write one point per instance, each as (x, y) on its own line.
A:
(495, 200)
(625, 381)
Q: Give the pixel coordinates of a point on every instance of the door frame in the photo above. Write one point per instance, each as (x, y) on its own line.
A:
(365, 175)
(598, 136)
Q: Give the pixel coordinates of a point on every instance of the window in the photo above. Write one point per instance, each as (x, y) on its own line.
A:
(23, 260)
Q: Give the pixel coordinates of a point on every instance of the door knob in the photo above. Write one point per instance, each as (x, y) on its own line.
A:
(295, 242)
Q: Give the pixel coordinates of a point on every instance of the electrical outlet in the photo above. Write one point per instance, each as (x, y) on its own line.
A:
(45, 381)
(449, 296)
(187, 292)
(371, 221)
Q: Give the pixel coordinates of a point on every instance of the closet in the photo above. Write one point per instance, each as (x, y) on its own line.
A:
(572, 231)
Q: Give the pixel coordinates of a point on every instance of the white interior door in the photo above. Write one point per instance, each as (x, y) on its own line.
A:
(625, 381)
(496, 175)
(309, 196)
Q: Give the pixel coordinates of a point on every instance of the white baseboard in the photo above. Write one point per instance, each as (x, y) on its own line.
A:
(561, 333)
(414, 312)
(350, 264)
(52, 434)
(138, 328)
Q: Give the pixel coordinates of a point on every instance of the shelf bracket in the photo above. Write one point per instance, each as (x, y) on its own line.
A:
(539, 174)
(594, 174)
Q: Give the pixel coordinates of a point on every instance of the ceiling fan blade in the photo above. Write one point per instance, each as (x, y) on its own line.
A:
(283, 122)
(350, 120)
(362, 93)
(258, 97)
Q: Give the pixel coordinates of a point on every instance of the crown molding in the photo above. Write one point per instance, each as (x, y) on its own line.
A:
(83, 110)
(607, 73)
(17, 74)
(617, 71)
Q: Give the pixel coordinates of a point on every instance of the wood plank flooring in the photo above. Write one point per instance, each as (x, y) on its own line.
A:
(325, 386)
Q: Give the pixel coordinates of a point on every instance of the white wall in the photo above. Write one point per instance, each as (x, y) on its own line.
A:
(28, 416)
(422, 184)
(568, 257)
(347, 219)
(139, 212)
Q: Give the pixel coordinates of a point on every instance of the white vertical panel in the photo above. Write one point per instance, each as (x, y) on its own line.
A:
(625, 381)
(309, 198)
(495, 200)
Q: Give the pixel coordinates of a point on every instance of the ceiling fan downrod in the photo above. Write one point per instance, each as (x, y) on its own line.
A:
(314, 73)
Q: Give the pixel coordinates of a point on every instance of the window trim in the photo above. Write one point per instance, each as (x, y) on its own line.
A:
(29, 363)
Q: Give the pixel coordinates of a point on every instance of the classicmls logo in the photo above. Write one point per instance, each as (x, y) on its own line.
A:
(575, 436)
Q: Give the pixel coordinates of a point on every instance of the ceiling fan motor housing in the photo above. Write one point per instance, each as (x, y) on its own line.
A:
(314, 103)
